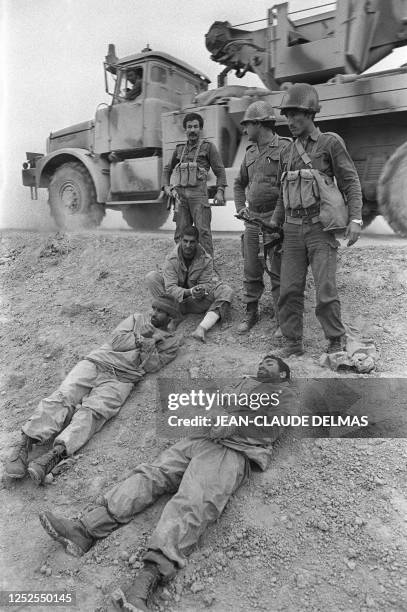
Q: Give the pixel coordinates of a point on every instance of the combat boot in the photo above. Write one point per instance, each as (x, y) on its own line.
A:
(251, 318)
(137, 597)
(335, 345)
(40, 467)
(72, 534)
(16, 466)
(292, 348)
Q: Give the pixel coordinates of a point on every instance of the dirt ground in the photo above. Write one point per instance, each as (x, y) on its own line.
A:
(324, 529)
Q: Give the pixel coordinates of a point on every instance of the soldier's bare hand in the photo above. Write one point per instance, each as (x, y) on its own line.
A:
(219, 198)
(352, 233)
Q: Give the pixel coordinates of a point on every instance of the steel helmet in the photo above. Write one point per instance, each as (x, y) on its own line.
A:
(301, 96)
(259, 111)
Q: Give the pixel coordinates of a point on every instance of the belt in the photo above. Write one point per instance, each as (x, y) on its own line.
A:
(311, 211)
(301, 220)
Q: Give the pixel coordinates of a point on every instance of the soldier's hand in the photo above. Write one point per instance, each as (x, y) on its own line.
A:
(243, 214)
(219, 197)
(168, 190)
(198, 292)
(353, 232)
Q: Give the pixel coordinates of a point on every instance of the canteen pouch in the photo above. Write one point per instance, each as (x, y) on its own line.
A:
(333, 212)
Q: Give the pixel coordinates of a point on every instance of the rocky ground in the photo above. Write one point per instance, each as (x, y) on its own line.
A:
(324, 529)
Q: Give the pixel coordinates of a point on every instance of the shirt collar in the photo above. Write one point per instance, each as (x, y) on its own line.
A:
(316, 132)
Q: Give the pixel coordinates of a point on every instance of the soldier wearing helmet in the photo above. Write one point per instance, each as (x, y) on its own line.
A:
(257, 183)
(306, 240)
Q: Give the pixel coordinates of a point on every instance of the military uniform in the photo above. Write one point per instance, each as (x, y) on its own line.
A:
(306, 242)
(177, 277)
(257, 182)
(96, 388)
(201, 473)
(194, 207)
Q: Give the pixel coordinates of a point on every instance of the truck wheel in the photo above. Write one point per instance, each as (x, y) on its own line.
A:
(145, 216)
(72, 198)
(392, 191)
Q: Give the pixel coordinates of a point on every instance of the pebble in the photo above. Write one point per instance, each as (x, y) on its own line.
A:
(196, 587)
(323, 525)
(165, 595)
(133, 559)
(351, 564)
(208, 599)
(49, 479)
(43, 569)
(94, 462)
(48, 571)
(124, 555)
(369, 601)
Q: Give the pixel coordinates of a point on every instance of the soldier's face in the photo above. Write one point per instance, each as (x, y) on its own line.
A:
(299, 123)
(269, 369)
(251, 128)
(192, 130)
(159, 318)
(188, 246)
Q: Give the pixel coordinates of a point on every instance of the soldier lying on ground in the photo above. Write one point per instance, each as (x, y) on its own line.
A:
(189, 277)
(202, 472)
(99, 384)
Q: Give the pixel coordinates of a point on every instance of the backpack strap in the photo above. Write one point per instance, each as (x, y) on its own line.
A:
(183, 153)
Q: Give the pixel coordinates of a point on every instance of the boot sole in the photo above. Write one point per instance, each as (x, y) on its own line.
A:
(120, 602)
(14, 475)
(35, 476)
(70, 547)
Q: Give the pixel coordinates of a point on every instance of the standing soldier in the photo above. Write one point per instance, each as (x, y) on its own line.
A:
(257, 180)
(306, 239)
(187, 171)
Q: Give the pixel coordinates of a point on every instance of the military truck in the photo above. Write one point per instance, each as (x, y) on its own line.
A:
(116, 159)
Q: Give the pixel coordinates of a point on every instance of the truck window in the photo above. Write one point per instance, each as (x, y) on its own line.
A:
(158, 74)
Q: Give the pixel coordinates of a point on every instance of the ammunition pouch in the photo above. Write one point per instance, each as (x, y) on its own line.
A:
(188, 174)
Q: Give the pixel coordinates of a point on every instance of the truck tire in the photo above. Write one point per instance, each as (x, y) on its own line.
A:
(72, 198)
(392, 191)
(145, 216)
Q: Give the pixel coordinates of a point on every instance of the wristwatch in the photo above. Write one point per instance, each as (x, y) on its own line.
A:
(358, 221)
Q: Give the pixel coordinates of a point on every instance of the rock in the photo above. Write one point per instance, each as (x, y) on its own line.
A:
(352, 553)
(351, 564)
(196, 587)
(49, 479)
(369, 602)
(48, 571)
(301, 581)
(323, 525)
(94, 462)
(208, 599)
(194, 372)
(133, 559)
(43, 569)
(165, 595)
(124, 555)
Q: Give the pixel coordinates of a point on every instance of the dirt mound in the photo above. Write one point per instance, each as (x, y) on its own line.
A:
(323, 530)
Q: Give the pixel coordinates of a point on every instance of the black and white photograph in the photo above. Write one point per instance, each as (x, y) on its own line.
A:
(203, 319)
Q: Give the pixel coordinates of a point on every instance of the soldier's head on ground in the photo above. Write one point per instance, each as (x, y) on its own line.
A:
(193, 125)
(273, 368)
(189, 242)
(259, 117)
(165, 308)
(300, 105)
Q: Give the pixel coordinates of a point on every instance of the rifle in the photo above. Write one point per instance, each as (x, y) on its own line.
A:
(269, 237)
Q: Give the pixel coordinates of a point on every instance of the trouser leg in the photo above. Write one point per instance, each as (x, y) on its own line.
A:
(275, 272)
(220, 294)
(322, 251)
(201, 214)
(213, 475)
(294, 265)
(141, 489)
(53, 412)
(253, 271)
(102, 404)
(155, 283)
(184, 217)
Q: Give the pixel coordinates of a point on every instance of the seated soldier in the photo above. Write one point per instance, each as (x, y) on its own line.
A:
(135, 78)
(189, 277)
(96, 388)
(201, 472)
